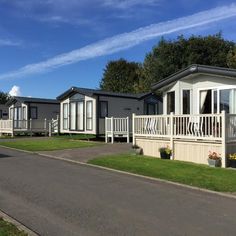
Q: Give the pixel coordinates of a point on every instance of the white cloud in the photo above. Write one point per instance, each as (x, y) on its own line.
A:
(8, 42)
(15, 91)
(126, 40)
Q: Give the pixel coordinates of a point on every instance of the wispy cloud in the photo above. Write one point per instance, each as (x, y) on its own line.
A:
(9, 42)
(123, 4)
(125, 41)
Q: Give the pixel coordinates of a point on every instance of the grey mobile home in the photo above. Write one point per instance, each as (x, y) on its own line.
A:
(84, 110)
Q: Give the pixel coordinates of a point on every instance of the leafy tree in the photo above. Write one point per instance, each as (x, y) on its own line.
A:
(170, 56)
(231, 58)
(121, 76)
(4, 97)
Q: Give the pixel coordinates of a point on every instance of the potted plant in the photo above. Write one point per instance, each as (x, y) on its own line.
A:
(138, 150)
(214, 159)
(232, 160)
(165, 152)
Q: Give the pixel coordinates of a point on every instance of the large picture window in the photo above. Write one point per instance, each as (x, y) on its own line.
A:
(65, 116)
(103, 105)
(89, 115)
(170, 102)
(186, 102)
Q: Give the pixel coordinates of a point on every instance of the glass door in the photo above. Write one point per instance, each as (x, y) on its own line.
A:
(80, 115)
(72, 116)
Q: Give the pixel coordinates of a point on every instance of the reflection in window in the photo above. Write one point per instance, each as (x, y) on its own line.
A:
(170, 102)
(186, 102)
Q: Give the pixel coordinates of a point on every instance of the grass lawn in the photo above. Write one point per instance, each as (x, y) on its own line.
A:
(217, 179)
(47, 144)
(7, 229)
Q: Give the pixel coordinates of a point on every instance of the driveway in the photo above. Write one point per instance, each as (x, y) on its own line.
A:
(55, 197)
(85, 154)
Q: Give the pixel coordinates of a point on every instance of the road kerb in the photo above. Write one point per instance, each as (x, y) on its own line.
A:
(19, 225)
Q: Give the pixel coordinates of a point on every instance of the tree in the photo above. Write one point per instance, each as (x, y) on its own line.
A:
(170, 56)
(121, 76)
(231, 58)
(4, 97)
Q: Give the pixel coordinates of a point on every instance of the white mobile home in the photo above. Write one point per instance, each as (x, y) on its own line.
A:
(199, 115)
(84, 110)
(32, 114)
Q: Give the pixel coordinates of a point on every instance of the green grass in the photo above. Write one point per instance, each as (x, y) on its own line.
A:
(8, 229)
(76, 136)
(217, 179)
(47, 144)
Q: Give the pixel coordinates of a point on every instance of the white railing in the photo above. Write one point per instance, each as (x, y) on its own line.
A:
(203, 126)
(29, 126)
(54, 126)
(117, 127)
(6, 126)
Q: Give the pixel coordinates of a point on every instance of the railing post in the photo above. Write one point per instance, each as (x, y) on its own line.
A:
(31, 128)
(58, 124)
(224, 151)
(50, 129)
(12, 128)
(127, 120)
(45, 126)
(172, 133)
(106, 138)
(133, 128)
(112, 129)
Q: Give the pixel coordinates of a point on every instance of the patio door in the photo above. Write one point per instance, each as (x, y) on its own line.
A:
(77, 116)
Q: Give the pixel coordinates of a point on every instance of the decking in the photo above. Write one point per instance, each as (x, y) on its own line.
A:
(190, 137)
(13, 127)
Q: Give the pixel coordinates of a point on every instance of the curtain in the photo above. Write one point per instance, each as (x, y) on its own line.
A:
(80, 115)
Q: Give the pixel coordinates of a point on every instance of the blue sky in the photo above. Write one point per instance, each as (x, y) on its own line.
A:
(47, 46)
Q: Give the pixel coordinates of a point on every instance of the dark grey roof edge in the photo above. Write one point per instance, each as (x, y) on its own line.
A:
(91, 92)
(192, 69)
(31, 99)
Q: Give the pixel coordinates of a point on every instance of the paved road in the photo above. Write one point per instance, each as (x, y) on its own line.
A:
(59, 198)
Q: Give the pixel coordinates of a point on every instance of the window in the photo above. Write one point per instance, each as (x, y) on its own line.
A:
(73, 115)
(89, 115)
(103, 105)
(170, 102)
(0, 114)
(225, 97)
(80, 115)
(65, 116)
(206, 102)
(186, 102)
(24, 113)
(151, 109)
(33, 113)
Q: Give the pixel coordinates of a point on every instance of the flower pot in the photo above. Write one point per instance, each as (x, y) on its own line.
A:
(214, 163)
(165, 155)
(232, 163)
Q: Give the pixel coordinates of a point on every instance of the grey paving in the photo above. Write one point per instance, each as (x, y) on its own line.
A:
(55, 197)
(85, 154)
